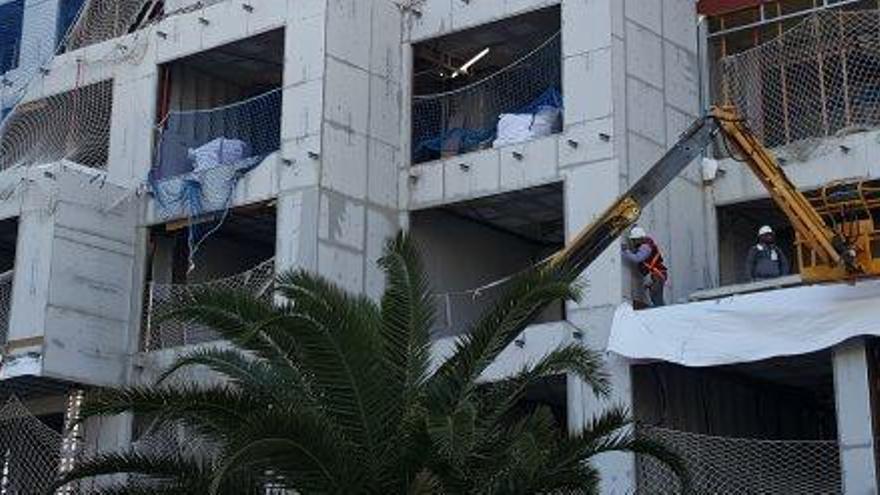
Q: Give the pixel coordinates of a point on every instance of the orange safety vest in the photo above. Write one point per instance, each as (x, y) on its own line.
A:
(654, 264)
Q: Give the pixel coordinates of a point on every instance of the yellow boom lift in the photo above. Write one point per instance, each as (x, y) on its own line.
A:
(837, 238)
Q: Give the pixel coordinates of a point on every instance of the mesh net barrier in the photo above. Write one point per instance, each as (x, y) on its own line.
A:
(72, 124)
(819, 79)
(162, 333)
(106, 19)
(75, 124)
(172, 440)
(469, 118)
(6, 280)
(722, 465)
(29, 451)
(202, 154)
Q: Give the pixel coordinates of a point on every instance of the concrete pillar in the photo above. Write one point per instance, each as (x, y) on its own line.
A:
(30, 291)
(854, 425)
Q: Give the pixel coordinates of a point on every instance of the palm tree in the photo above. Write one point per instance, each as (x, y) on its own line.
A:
(329, 392)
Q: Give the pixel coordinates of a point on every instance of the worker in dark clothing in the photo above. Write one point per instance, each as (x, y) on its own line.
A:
(765, 259)
(643, 252)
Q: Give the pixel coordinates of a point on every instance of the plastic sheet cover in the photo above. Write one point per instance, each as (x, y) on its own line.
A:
(750, 327)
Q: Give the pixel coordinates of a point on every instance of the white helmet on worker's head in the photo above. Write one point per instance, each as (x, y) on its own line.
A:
(765, 230)
(637, 233)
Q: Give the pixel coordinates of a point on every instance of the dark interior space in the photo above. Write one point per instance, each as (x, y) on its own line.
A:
(8, 240)
(789, 398)
(470, 246)
(738, 226)
(437, 59)
(243, 240)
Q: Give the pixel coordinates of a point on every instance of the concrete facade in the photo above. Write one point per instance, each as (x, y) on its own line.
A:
(342, 181)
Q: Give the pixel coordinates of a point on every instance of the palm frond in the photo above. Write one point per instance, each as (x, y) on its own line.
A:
(454, 435)
(425, 483)
(337, 338)
(612, 431)
(206, 410)
(248, 322)
(171, 470)
(529, 293)
(586, 364)
(302, 447)
(257, 376)
(407, 317)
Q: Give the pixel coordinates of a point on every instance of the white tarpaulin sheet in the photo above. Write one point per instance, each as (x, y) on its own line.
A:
(748, 327)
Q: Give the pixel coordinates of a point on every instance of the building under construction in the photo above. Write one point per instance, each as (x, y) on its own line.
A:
(151, 147)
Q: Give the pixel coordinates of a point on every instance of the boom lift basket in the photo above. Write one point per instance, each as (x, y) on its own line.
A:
(850, 209)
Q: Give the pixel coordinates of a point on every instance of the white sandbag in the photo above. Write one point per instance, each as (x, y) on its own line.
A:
(220, 151)
(545, 122)
(516, 128)
(513, 128)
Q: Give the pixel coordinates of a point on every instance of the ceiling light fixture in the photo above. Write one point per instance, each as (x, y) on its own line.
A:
(470, 63)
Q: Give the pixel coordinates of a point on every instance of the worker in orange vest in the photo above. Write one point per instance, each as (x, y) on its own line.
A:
(643, 252)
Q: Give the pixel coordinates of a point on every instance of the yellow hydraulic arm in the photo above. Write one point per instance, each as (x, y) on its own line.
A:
(810, 226)
(837, 253)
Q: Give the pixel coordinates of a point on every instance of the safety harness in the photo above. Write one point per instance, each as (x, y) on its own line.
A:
(654, 264)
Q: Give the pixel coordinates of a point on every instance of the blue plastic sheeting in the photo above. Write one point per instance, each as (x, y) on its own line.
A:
(467, 140)
(11, 20)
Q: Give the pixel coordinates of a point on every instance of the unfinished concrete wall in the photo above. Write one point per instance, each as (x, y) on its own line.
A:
(89, 313)
(657, 77)
(347, 176)
(809, 166)
(191, 89)
(72, 309)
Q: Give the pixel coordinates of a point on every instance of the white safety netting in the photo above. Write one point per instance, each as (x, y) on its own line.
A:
(30, 451)
(721, 465)
(72, 124)
(517, 103)
(163, 333)
(6, 280)
(202, 154)
(174, 440)
(818, 79)
(107, 19)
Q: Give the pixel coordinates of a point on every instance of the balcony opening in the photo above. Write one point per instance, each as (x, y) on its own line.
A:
(219, 118)
(490, 86)
(8, 241)
(738, 226)
(238, 255)
(221, 107)
(74, 126)
(471, 248)
(761, 427)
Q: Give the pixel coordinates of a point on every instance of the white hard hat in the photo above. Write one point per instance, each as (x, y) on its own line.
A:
(765, 230)
(637, 233)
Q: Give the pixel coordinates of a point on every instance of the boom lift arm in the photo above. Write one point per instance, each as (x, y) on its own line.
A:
(829, 247)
